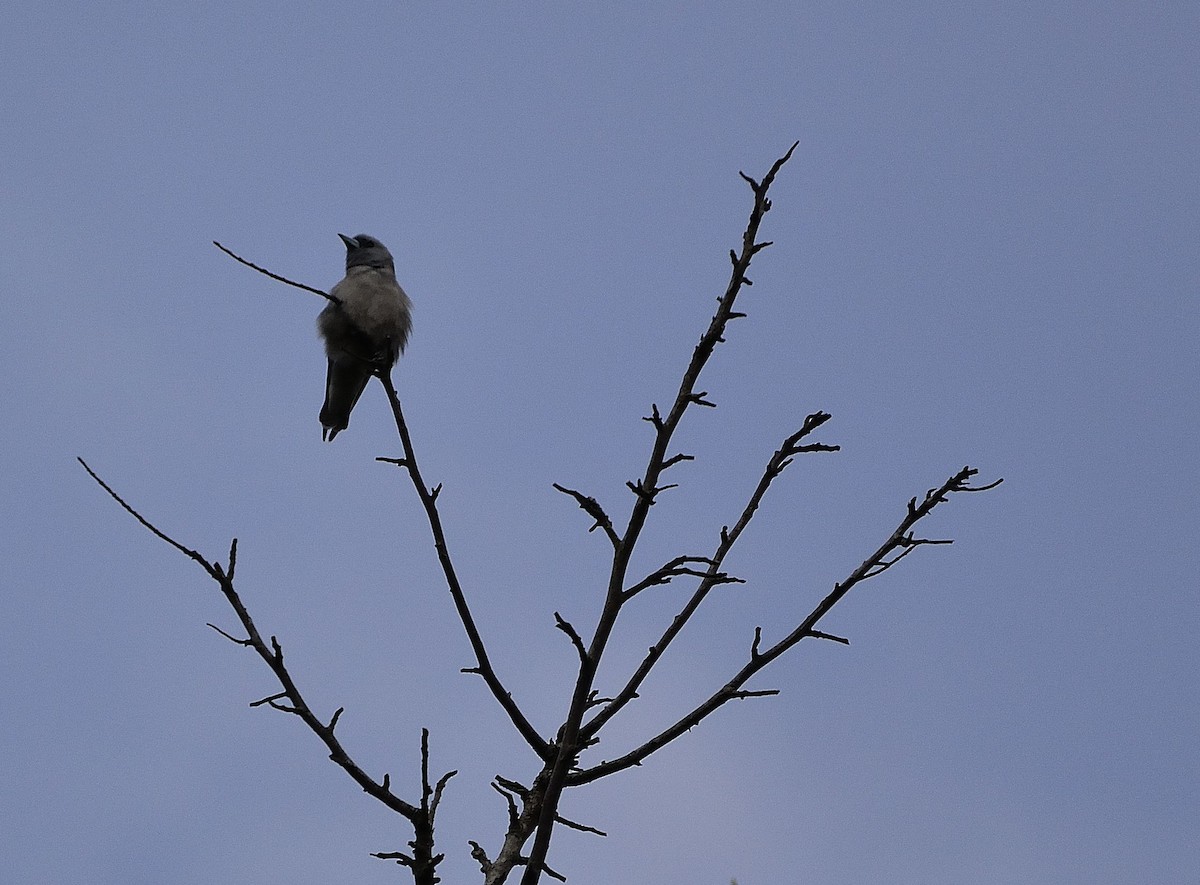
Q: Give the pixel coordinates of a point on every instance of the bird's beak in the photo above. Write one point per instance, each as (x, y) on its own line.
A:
(350, 242)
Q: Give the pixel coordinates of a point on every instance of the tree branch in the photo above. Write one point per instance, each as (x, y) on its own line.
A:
(520, 825)
(275, 276)
(758, 660)
(576, 641)
(569, 744)
(272, 655)
(429, 502)
(593, 509)
(777, 463)
(677, 567)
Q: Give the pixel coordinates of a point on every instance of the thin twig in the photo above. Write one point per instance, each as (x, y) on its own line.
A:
(276, 276)
(678, 567)
(583, 828)
(186, 551)
(566, 627)
(229, 637)
(437, 793)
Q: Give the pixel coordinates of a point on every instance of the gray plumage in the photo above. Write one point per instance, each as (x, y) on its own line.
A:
(366, 331)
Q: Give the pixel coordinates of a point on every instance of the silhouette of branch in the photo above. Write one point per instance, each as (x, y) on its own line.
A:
(566, 627)
(732, 690)
(428, 498)
(593, 509)
(680, 566)
(777, 463)
(533, 811)
(583, 828)
(422, 861)
(521, 824)
(290, 700)
(275, 276)
(645, 491)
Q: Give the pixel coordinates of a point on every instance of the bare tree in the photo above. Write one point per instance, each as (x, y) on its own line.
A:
(533, 806)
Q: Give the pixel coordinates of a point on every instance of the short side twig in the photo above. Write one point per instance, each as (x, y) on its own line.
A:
(593, 509)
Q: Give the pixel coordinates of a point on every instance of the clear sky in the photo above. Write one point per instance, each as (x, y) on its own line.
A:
(985, 253)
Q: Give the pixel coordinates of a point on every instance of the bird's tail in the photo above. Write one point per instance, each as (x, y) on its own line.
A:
(345, 381)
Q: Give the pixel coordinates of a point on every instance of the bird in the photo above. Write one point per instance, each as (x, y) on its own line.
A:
(365, 327)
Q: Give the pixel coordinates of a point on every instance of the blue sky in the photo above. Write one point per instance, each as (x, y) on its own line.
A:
(985, 253)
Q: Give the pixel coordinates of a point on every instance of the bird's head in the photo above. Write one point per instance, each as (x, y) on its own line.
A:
(366, 251)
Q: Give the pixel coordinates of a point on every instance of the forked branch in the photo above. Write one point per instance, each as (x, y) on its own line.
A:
(777, 463)
(870, 567)
(290, 700)
(646, 490)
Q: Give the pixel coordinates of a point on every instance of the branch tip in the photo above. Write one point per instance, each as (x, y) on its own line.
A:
(675, 459)
(989, 486)
(269, 700)
(233, 639)
(564, 625)
(761, 693)
(592, 508)
(575, 825)
(275, 276)
(754, 185)
(817, 634)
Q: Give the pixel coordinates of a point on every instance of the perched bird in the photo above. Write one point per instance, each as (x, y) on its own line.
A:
(365, 330)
